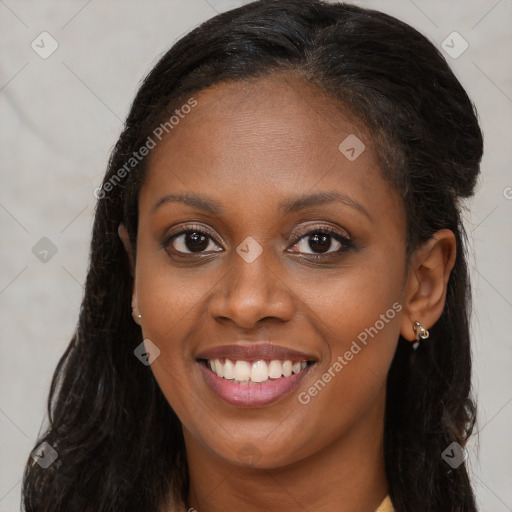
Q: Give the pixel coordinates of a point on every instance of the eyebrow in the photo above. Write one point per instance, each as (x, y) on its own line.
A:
(299, 203)
(289, 206)
(199, 202)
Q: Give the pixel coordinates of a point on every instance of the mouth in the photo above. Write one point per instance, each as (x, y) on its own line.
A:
(254, 375)
(248, 372)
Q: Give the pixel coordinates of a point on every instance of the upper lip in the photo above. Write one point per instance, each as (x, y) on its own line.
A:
(254, 352)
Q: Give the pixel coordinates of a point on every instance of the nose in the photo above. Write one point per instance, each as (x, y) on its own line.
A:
(252, 291)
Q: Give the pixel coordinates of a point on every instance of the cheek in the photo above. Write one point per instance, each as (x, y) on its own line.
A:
(169, 309)
(358, 301)
(363, 306)
(172, 301)
(360, 315)
(170, 298)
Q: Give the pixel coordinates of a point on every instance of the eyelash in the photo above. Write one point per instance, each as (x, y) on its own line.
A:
(345, 241)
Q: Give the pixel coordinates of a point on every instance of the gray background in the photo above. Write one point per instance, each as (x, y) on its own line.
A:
(59, 119)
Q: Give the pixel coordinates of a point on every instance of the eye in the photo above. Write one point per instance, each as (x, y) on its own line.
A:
(315, 243)
(191, 241)
(322, 241)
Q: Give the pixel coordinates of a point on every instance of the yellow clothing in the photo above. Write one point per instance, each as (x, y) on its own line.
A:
(386, 506)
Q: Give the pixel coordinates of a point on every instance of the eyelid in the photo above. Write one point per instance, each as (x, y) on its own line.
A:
(195, 227)
(345, 240)
(297, 233)
(186, 228)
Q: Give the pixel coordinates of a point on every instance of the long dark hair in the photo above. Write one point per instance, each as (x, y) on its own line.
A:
(119, 443)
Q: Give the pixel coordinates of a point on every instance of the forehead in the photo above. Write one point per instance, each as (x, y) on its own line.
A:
(279, 113)
(267, 138)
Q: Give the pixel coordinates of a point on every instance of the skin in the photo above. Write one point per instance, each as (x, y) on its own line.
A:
(250, 146)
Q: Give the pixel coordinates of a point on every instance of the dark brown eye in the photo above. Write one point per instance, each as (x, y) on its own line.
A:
(322, 241)
(196, 242)
(192, 241)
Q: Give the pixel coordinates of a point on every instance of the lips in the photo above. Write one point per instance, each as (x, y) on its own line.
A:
(254, 352)
(253, 375)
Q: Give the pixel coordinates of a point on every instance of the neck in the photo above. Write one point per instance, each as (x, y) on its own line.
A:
(347, 475)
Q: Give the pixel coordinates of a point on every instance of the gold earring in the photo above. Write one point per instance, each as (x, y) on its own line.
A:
(421, 334)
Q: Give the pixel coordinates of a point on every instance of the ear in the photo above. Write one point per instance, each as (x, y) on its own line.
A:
(427, 282)
(130, 251)
(127, 244)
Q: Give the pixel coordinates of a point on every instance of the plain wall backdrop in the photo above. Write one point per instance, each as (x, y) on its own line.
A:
(60, 115)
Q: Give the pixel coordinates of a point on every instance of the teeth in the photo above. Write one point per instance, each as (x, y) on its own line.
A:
(219, 368)
(258, 371)
(275, 369)
(229, 370)
(242, 371)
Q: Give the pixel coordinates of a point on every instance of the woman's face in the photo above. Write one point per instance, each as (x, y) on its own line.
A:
(295, 263)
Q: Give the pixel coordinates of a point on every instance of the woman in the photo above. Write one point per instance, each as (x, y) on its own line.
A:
(276, 310)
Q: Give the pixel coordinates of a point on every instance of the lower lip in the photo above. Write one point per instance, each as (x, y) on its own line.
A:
(252, 395)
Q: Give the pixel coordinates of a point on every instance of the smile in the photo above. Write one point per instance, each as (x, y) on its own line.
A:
(253, 384)
(254, 372)
(249, 374)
